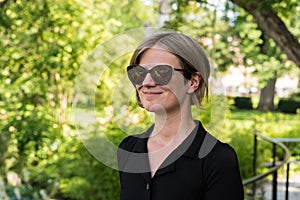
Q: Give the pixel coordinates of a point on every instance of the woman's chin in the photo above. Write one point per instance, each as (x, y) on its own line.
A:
(156, 108)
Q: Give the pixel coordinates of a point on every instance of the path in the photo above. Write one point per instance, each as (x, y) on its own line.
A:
(294, 188)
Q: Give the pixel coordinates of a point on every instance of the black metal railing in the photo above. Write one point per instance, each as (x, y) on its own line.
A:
(287, 140)
(275, 166)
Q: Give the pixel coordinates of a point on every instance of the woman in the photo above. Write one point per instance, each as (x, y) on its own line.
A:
(170, 73)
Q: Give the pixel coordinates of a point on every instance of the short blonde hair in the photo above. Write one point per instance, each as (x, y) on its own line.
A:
(190, 54)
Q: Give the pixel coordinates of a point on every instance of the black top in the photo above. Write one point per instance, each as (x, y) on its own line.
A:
(201, 168)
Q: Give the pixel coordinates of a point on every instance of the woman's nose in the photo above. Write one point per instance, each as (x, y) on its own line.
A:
(148, 81)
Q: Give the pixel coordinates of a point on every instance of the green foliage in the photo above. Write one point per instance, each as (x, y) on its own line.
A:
(74, 173)
(280, 125)
(295, 95)
(238, 132)
(25, 191)
(212, 33)
(43, 45)
(75, 187)
(257, 51)
(232, 37)
(241, 140)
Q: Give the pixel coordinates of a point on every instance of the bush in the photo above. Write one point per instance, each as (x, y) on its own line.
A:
(24, 191)
(243, 103)
(288, 105)
(295, 95)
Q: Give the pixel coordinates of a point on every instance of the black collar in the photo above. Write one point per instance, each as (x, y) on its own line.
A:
(189, 147)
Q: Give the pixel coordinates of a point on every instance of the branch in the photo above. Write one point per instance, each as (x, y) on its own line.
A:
(272, 25)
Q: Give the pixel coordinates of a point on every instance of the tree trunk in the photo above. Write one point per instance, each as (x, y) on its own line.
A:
(164, 12)
(271, 24)
(266, 100)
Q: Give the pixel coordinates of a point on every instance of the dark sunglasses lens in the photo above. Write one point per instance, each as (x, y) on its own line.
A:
(136, 74)
(161, 74)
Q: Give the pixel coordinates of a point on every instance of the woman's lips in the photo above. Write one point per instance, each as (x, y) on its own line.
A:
(151, 94)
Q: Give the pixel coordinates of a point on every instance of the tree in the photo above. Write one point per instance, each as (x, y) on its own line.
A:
(272, 30)
(246, 43)
(212, 33)
(43, 44)
(273, 26)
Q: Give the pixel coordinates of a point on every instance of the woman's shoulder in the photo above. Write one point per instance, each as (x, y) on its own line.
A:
(221, 173)
(222, 147)
(222, 154)
(130, 141)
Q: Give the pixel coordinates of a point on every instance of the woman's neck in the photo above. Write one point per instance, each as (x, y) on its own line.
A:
(169, 126)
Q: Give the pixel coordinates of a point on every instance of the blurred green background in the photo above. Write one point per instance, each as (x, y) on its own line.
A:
(44, 43)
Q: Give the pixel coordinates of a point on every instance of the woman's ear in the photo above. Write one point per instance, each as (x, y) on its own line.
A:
(194, 82)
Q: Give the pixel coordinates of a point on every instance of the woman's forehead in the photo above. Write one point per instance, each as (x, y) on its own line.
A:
(158, 55)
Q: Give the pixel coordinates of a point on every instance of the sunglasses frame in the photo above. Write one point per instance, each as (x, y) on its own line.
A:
(158, 82)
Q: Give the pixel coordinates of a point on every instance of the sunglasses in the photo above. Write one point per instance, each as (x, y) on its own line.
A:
(160, 74)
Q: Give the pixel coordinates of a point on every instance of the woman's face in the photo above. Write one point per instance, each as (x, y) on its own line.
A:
(162, 98)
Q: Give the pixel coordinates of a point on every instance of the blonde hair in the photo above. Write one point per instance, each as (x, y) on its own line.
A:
(190, 54)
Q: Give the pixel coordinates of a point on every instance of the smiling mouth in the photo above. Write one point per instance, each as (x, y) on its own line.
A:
(150, 94)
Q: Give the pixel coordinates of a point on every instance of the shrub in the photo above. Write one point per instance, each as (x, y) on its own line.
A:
(288, 105)
(295, 95)
(243, 103)
(26, 192)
